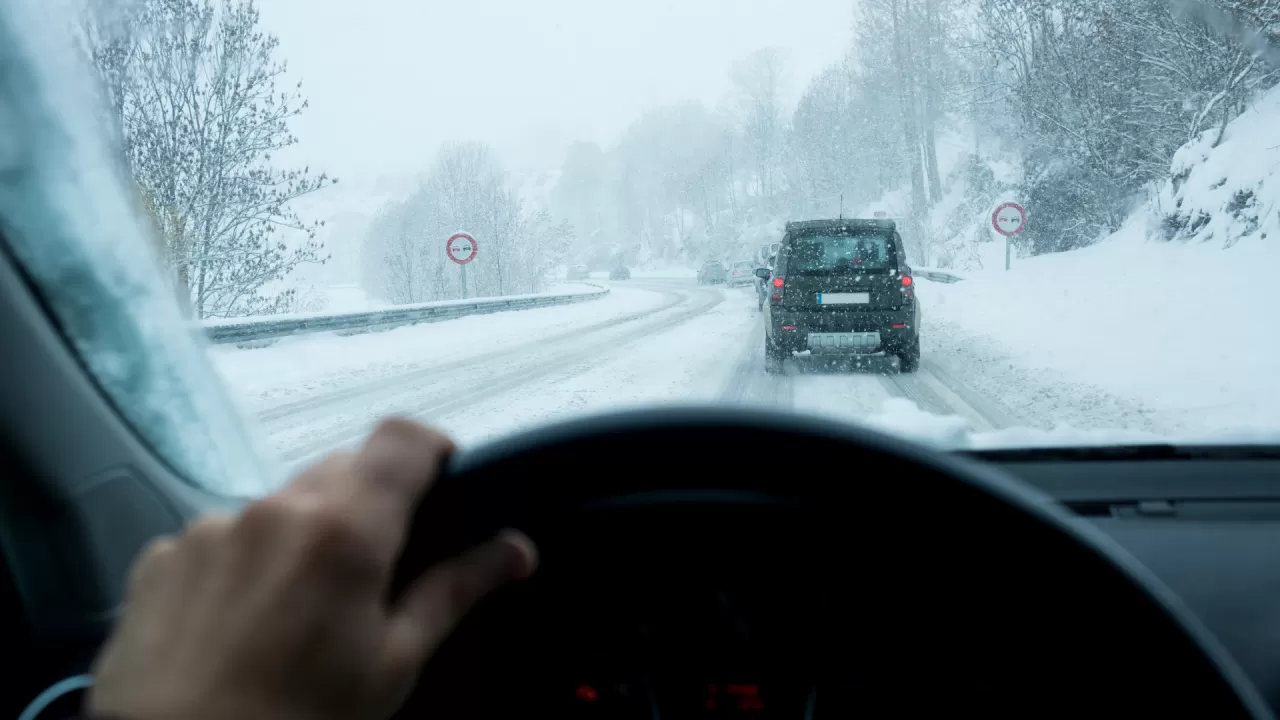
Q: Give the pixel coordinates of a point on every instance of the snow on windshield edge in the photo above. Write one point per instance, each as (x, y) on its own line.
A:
(74, 230)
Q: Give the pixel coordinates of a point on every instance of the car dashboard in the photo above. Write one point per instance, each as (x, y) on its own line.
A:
(1204, 520)
(754, 628)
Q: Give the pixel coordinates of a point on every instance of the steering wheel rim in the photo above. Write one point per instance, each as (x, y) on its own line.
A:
(447, 522)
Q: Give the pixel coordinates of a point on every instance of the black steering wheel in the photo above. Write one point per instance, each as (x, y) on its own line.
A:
(704, 562)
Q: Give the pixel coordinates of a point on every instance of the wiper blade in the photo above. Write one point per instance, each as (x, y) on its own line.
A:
(1128, 452)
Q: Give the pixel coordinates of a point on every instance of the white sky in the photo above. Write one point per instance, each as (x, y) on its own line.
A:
(390, 80)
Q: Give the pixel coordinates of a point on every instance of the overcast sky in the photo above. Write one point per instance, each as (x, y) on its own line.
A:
(390, 80)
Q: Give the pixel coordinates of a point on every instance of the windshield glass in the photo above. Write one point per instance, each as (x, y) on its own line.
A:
(1058, 259)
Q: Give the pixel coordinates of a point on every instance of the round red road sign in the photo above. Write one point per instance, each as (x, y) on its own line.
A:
(1009, 219)
(461, 248)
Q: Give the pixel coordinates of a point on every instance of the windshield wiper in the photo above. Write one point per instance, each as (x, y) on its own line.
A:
(1128, 452)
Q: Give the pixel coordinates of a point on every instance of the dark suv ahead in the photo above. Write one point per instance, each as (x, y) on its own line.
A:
(841, 287)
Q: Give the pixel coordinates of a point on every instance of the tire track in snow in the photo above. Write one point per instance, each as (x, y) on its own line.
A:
(468, 385)
(749, 384)
(852, 393)
(395, 383)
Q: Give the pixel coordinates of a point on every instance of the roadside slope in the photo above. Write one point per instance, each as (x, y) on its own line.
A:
(1168, 326)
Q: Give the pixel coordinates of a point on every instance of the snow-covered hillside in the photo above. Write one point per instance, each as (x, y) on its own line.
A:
(1228, 193)
(1168, 325)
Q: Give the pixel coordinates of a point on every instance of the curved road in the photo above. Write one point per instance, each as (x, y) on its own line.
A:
(656, 341)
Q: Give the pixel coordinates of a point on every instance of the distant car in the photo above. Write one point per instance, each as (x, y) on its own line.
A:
(742, 272)
(841, 287)
(620, 273)
(711, 273)
(578, 272)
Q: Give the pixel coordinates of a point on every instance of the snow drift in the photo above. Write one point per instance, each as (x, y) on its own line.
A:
(1167, 326)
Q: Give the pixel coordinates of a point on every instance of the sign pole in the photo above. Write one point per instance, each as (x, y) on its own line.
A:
(1009, 219)
(461, 248)
(1008, 244)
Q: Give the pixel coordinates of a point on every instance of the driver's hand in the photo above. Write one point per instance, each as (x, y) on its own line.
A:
(281, 611)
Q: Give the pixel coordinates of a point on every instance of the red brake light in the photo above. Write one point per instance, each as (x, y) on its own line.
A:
(778, 282)
(906, 281)
(586, 693)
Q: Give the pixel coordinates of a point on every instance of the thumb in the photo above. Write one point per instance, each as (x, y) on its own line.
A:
(435, 603)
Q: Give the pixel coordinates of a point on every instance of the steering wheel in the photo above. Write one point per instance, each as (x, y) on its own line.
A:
(702, 562)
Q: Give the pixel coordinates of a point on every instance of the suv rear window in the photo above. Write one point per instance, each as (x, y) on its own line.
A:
(846, 252)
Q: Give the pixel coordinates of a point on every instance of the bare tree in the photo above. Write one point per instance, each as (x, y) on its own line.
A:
(194, 83)
(465, 190)
(760, 81)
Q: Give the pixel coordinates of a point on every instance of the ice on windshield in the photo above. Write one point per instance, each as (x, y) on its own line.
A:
(1084, 191)
(66, 216)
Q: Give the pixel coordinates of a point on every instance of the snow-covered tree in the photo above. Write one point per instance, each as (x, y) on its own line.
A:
(466, 190)
(194, 88)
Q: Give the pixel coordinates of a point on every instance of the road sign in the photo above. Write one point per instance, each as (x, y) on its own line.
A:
(461, 248)
(1009, 219)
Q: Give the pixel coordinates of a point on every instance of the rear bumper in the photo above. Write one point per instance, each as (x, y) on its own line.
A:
(898, 330)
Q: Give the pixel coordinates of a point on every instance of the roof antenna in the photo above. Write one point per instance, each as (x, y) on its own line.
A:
(841, 207)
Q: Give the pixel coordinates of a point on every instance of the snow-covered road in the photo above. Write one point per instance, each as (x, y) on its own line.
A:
(651, 341)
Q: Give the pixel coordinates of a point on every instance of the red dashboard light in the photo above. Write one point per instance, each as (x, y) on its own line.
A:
(586, 693)
(748, 696)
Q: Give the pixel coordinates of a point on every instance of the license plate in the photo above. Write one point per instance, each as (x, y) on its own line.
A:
(844, 341)
(844, 298)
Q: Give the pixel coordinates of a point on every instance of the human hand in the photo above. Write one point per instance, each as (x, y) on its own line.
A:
(281, 611)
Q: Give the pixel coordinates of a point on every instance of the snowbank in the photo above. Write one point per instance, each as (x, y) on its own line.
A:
(306, 365)
(1229, 192)
(1138, 332)
(564, 288)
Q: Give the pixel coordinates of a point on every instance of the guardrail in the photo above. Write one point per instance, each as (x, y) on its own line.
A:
(264, 329)
(936, 275)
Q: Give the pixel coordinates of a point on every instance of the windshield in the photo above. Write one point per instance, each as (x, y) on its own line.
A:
(286, 219)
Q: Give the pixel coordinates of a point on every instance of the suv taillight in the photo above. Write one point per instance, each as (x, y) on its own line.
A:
(777, 290)
(778, 282)
(907, 281)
